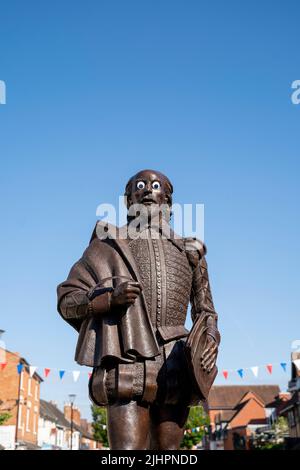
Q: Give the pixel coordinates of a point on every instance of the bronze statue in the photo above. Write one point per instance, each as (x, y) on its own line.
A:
(128, 297)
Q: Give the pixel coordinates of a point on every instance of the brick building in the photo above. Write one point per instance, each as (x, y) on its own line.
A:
(20, 397)
(87, 440)
(35, 423)
(291, 410)
(83, 428)
(55, 429)
(236, 412)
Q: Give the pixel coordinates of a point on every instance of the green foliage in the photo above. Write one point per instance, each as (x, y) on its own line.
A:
(100, 424)
(196, 427)
(272, 438)
(4, 417)
(281, 426)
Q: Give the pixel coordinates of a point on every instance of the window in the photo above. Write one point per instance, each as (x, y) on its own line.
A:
(27, 419)
(29, 386)
(59, 437)
(36, 396)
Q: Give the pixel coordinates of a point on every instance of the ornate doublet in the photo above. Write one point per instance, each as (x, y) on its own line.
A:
(166, 278)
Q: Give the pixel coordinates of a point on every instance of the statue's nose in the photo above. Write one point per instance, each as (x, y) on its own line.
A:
(148, 189)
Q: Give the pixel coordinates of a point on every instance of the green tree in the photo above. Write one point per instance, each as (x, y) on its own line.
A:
(271, 438)
(4, 417)
(196, 427)
(100, 424)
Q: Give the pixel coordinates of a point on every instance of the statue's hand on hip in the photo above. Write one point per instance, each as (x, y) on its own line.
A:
(125, 293)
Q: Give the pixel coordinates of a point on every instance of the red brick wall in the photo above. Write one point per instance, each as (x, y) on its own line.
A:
(9, 385)
(212, 414)
(29, 407)
(76, 414)
(252, 410)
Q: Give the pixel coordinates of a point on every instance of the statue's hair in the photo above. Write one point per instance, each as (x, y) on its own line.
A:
(162, 177)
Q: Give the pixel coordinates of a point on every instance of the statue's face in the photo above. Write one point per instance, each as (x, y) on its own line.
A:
(149, 188)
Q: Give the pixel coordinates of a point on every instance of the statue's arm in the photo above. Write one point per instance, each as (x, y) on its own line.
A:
(83, 294)
(76, 304)
(75, 295)
(201, 296)
(202, 302)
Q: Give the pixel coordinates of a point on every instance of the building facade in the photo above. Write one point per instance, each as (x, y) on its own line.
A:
(236, 413)
(291, 410)
(55, 429)
(20, 398)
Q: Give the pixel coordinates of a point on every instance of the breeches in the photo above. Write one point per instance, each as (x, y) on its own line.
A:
(162, 380)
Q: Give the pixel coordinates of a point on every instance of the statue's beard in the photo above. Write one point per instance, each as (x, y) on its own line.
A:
(152, 214)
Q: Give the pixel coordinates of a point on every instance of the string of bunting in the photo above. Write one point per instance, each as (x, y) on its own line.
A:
(256, 369)
(46, 371)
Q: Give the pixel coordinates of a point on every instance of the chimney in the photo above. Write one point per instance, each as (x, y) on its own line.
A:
(84, 424)
(76, 413)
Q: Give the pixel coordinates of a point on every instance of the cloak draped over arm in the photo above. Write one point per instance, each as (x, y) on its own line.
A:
(104, 334)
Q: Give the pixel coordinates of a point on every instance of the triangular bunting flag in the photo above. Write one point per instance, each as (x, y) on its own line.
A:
(283, 365)
(297, 363)
(225, 373)
(76, 374)
(255, 371)
(241, 373)
(32, 370)
(61, 374)
(20, 368)
(3, 365)
(269, 368)
(46, 371)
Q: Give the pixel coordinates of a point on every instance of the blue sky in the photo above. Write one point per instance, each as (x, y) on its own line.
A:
(201, 91)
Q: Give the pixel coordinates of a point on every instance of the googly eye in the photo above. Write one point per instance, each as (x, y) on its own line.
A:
(140, 185)
(156, 185)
